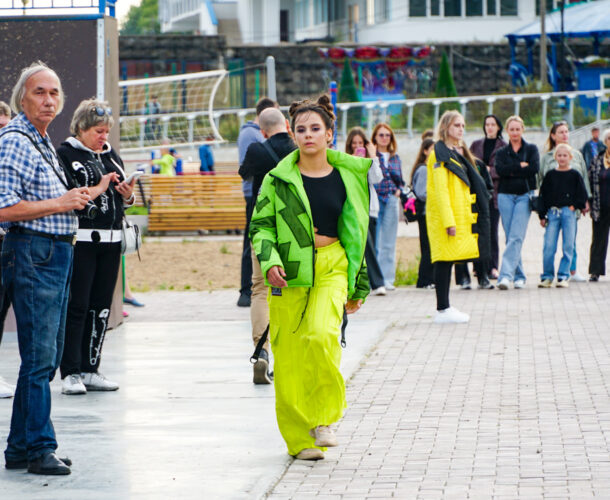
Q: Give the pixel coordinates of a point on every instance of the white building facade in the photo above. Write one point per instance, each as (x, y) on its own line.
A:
(268, 22)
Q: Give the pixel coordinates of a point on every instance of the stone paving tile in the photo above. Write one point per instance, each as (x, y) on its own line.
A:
(514, 404)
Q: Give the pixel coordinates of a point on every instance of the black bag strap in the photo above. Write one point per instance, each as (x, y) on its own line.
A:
(259, 346)
(263, 339)
(61, 179)
(271, 151)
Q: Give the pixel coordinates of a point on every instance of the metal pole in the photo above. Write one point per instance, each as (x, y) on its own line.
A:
(598, 111)
(543, 78)
(410, 106)
(271, 89)
(333, 100)
(571, 110)
(562, 83)
(544, 111)
(437, 106)
(344, 112)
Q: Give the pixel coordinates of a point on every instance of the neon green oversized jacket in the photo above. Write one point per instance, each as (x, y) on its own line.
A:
(282, 231)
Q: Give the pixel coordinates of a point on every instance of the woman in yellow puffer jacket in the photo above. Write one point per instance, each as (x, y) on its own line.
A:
(456, 213)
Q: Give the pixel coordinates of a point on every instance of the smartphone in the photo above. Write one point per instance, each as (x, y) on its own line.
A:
(134, 175)
(360, 152)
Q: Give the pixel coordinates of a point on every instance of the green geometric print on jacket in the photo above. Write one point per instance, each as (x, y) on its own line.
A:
(281, 228)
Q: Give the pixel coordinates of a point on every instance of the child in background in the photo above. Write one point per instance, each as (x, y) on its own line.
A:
(166, 162)
(562, 193)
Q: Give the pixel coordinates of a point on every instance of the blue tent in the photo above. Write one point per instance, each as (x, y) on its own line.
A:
(582, 20)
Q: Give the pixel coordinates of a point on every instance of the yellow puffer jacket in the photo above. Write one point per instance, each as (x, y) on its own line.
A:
(449, 203)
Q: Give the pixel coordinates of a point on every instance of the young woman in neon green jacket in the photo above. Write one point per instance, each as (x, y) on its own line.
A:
(309, 231)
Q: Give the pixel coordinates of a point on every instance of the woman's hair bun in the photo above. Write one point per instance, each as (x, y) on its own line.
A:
(322, 106)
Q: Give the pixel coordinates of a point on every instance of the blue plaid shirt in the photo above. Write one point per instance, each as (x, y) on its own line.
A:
(392, 177)
(26, 176)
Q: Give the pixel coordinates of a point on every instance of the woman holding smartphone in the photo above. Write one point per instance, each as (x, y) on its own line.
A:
(89, 159)
(358, 145)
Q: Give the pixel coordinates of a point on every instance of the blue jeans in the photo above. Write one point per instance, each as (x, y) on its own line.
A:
(515, 213)
(559, 219)
(387, 227)
(574, 255)
(36, 272)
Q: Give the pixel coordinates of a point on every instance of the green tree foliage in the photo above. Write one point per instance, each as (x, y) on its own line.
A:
(347, 88)
(445, 86)
(142, 20)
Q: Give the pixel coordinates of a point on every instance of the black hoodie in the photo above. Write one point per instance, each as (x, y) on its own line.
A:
(86, 167)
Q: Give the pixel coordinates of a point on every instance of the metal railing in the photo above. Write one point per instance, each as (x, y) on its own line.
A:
(379, 110)
(381, 107)
(373, 112)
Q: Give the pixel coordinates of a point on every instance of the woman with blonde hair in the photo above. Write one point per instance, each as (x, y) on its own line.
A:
(560, 134)
(457, 211)
(517, 164)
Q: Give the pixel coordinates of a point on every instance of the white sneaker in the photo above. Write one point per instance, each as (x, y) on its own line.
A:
(519, 284)
(379, 291)
(503, 284)
(451, 315)
(324, 436)
(6, 390)
(562, 284)
(72, 385)
(389, 287)
(577, 278)
(97, 382)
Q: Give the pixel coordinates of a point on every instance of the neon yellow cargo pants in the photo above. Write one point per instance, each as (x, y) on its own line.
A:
(305, 326)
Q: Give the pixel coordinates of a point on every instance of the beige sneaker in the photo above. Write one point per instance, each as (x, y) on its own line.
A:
(310, 454)
(562, 284)
(324, 436)
(545, 283)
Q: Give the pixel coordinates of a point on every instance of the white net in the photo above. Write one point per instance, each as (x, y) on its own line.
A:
(177, 109)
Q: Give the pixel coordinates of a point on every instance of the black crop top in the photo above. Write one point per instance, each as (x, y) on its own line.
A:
(326, 198)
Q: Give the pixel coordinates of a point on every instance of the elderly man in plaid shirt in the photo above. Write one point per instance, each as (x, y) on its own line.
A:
(37, 210)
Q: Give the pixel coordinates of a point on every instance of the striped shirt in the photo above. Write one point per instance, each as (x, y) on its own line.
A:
(26, 176)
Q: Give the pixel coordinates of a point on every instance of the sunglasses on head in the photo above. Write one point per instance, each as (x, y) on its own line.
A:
(559, 123)
(99, 111)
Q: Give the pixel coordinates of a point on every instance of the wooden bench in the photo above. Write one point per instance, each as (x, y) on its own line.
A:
(196, 202)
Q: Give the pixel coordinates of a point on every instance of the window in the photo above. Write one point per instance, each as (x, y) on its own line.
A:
(508, 8)
(320, 11)
(491, 8)
(435, 7)
(453, 8)
(474, 7)
(417, 8)
(381, 11)
(302, 13)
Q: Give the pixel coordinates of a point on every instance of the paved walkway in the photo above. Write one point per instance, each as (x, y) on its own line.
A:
(513, 405)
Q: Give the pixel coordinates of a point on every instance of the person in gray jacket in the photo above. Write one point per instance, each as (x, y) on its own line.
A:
(419, 179)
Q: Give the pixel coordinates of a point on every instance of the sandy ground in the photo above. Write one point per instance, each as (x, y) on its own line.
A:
(206, 265)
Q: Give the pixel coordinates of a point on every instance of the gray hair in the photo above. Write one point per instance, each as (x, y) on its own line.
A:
(86, 116)
(605, 135)
(19, 88)
(5, 110)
